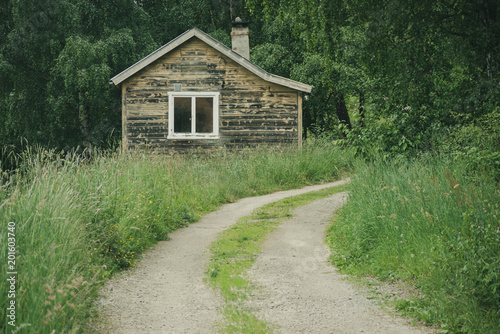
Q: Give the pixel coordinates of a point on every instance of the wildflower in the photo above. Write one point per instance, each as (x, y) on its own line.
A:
(104, 267)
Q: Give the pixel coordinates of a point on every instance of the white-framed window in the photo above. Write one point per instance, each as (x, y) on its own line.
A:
(193, 115)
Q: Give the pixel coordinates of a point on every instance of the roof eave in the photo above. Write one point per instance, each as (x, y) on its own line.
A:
(124, 75)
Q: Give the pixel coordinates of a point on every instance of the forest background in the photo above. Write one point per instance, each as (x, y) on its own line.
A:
(391, 77)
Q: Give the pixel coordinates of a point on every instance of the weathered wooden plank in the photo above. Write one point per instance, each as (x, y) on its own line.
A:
(255, 116)
(148, 113)
(194, 50)
(145, 117)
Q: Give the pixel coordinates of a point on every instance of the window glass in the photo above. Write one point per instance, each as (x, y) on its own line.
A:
(204, 115)
(182, 114)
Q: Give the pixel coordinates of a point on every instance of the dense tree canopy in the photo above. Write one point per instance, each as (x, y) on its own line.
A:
(57, 56)
(398, 70)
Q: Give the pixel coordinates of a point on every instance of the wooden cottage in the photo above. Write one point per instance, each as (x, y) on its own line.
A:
(194, 92)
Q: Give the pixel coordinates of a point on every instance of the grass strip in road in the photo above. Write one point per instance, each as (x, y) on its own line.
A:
(235, 251)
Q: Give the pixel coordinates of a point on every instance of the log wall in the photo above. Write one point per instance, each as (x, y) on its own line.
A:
(252, 111)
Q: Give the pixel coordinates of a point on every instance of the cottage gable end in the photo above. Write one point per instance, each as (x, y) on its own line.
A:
(195, 32)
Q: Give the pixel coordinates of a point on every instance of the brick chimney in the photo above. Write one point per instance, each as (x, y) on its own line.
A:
(239, 38)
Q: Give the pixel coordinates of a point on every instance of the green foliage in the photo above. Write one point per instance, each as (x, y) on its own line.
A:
(418, 68)
(478, 144)
(434, 224)
(55, 68)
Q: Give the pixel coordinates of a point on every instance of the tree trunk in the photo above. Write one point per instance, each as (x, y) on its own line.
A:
(361, 109)
(83, 115)
(342, 113)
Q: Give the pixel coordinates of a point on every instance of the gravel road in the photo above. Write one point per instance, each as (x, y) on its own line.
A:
(301, 292)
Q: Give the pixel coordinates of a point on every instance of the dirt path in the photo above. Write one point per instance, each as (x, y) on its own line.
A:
(165, 293)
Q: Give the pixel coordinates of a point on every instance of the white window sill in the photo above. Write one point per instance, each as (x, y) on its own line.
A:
(192, 136)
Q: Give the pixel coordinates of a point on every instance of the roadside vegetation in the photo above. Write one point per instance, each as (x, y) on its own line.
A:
(433, 222)
(77, 221)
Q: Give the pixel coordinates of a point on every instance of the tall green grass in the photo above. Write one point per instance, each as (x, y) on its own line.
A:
(79, 218)
(431, 222)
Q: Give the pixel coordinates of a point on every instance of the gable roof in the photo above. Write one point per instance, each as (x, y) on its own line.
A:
(195, 32)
